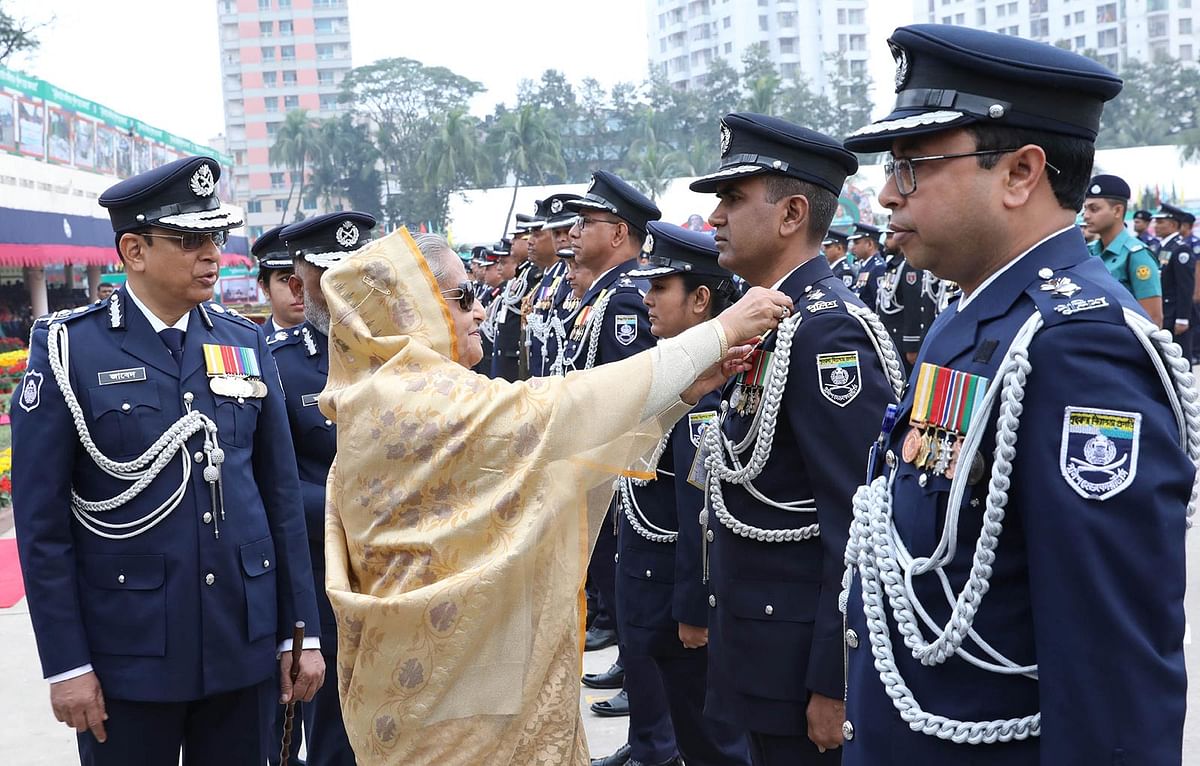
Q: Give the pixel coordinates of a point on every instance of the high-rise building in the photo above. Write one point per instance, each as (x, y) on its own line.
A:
(1116, 31)
(276, 56)
(686, 36)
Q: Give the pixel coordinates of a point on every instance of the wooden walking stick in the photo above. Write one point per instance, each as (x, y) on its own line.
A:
(294, 673)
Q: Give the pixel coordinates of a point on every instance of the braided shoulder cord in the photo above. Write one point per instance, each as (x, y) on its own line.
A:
(874, 546)
(884, 348)
(143, 469)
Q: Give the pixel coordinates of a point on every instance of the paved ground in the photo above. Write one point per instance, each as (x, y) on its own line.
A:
(29, 735)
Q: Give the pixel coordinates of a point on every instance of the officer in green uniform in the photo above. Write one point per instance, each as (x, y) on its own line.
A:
(1128, 259)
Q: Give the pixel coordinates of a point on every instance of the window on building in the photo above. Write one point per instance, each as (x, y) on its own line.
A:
(254, 231)
(762, 3)
(268, 52)
(960, 18)
(1110, 60)
(266, 28)
(1185, 4)
(272, 130)
(1038, 6)
(1066, 19)
(228, 6)
(340, 26)
(787, 44)
(1156, 5)
(1159, 50)
(285, 27)
(980, 16)
(858, 67)
(789, 71)
(1039, 27)
(858, 42)
(329, 102)
(1079, 16)
(325, 77)
(1012, 9)
(728, 48)
(1001, 10)
(1156, 26)
(856, 16)
(1080, 42)
(841, 15)
(291, 102)
(271, 103)
(1185, 26)
(1015, 31)
(285, 4)
(264, 5)
(947, 19)
(254, 206)
(1106, 13)
(727, 22)
(287, 52)
(787, 19)
(277, 181)
(764, 23)
(270, 79)
(1185, 53)
(280, 205)
(289, 77)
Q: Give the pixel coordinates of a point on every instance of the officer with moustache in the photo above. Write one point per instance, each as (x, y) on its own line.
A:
(506, 356)
(543, 335)
(156, 500)
(1024, 522)
(834, 247)
(1178, 274)
(791, 448)
(274, 272)
(303, 359)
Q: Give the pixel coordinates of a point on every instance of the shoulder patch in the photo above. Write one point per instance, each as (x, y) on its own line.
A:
(1099, 453)
(626, 328)
(1184, 256)
(1142, 272)
(697, 421)
(838, 376)
(31, 390)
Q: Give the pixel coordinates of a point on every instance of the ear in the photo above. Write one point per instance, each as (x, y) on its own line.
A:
(1024, 170)
(795, 215)
(701, 300)
(296, 284)
(133, 252)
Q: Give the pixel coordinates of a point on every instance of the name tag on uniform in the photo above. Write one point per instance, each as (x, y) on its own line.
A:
(130, 375)
(309, 400)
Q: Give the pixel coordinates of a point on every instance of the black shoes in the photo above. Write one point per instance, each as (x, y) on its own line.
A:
(613, 678)
(621, 758)
(599, 638)
(613, 707)
(676, 761)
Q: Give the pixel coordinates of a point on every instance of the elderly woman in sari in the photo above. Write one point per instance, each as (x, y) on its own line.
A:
(462, 510)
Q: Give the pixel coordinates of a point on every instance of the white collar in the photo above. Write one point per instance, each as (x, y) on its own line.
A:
(158, 324)
(596, 281)
(966, 299)
(1168, 238)
(779, 284)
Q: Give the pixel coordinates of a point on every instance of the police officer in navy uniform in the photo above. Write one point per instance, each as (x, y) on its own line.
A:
(510, 337)
(156, 500)
(493, 282)
(1016, 599)
(546, 298)
(302, 355)
(274, 273)
(864, 245)
(662, 601)
(834, 246)
(792, 446)
(1178, 274)
(1141, 228)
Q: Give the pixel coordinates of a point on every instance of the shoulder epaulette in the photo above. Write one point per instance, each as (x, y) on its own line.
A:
(1063, 295)
(67, 315)
(213, 308)
(282, 338)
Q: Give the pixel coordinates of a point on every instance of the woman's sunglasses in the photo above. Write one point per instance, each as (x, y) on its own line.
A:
(464, 294)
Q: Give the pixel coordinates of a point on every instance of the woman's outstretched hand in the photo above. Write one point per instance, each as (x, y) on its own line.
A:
(736, 360)
(758, 311)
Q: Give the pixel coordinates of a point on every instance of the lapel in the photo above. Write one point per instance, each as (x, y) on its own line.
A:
(322, 342)
(193, 345)
(607, 280)
(142, 342)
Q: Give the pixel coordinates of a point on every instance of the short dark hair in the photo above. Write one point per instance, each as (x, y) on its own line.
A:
(723, 291)
(1073, 157)
(822, 204)
(105, 284)
(264, 275)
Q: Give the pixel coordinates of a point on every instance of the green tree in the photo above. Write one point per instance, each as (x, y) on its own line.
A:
(525, 149)
(760, 80)
(652, 164)
(346, 172)
(848, 95)
(295, 144)
(18, 35)
(452, 158)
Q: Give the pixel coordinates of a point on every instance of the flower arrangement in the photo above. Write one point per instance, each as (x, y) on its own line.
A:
(13, 363)
(6, 477)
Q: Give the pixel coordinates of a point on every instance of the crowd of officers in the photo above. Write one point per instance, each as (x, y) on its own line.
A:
(170, 460)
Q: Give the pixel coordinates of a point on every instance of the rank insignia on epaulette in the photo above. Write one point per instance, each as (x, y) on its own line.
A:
(814, 295)
(1060, 287)
(233, 371)
(839, 376)
(1099, 453)
(821, 306)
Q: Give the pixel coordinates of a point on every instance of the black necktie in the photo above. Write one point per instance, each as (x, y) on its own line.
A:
(173, 339)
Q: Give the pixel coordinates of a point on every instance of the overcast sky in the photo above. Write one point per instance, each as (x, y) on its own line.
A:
(158, 60)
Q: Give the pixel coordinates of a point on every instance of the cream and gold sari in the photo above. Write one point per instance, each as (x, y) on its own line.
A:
(461, 513)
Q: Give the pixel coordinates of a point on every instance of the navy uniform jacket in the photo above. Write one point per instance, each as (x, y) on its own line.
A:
(775, 632)
(545, 302)
(625, 329)
(869, 273)
(844, 271)
(660, 584)
(175, 613)
(302, 355)
(1178, 279)
(507, 350)
(1091, 590)
(485, 296)
(1151, 241)
(903, 305)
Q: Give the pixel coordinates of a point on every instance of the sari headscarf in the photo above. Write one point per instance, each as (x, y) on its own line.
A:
(461, 513)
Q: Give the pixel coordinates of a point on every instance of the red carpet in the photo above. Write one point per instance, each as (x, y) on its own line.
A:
(12, 589)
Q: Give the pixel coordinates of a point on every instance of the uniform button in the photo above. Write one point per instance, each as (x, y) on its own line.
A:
(1045, 273)
(241, 400)
(207, 517)
(770, 610)
(198, 457)
(616, 557)
(890, 459)
(712, 600)
(266, 563)
(710, 536)
(851, 639)
(210, 578)
(121, 579)
(847, 730)
(188, 397)
(923, 479)
(328, 422)
(125, 407)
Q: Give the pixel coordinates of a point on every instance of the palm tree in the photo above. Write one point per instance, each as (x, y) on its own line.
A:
(452, 156)
(653, 164)
(295, 144)
(524, 145)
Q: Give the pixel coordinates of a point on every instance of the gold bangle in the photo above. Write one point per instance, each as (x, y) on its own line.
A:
(722, 341)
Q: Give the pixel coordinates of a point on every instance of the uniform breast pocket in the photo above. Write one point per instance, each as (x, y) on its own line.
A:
(126, 418)
(237, 420)
(647, 584)
(772, 618)
(258, 566)
(124, 603)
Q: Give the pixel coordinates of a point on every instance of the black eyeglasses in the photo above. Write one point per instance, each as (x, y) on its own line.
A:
(906, 175)
(464, 294)
(582, 223)
(194, 240)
